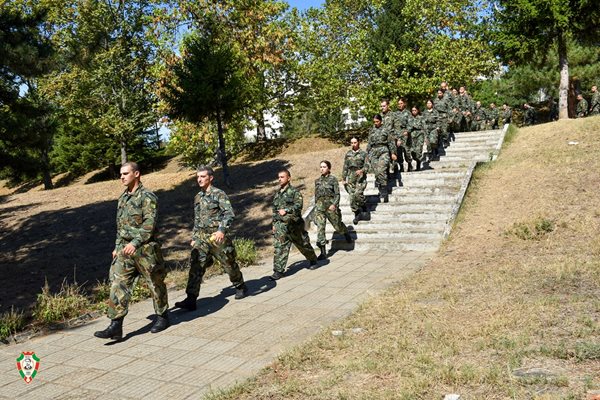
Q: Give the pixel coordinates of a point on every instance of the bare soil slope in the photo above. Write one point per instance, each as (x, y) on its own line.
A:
(68, 233)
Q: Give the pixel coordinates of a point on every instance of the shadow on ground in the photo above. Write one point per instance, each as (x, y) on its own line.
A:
(75, 244)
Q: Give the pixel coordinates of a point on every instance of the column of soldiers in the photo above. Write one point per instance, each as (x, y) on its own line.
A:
(592, 108)
(395, 138)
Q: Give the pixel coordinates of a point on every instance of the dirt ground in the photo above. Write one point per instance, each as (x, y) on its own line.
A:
(69, 232)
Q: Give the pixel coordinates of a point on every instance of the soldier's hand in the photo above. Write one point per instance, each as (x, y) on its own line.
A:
(129, 249)
(394, 157)
(282, 212)
(332, 207)
(359, 172)
(273, 229)
(219, 237)
(114, 253)
(192, 243)
(399, 142)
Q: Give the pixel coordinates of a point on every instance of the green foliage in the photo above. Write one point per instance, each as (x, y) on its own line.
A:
(69, 302)
(11, 322)
(531, 230)
(140, 290)
(245, 250)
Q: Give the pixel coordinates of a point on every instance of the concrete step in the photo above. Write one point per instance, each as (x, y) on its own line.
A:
(385, 245)
(402, 198)
(391, 227)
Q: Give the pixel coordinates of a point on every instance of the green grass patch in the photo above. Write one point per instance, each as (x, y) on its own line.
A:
(11, 322)
(69, 302)
(534, 229)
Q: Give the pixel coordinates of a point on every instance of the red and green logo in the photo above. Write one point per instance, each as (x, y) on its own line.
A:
(27, 365)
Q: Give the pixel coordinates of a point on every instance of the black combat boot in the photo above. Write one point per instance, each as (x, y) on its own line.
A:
(241, 292)
(356, 217)
(418, 165)
(365, 215)
(162, 322)
(323, 255)
(410, 168)
(114, 330)
(383, 192)
(348, 237)
(276, 276)
(313, 264)
(189, 303)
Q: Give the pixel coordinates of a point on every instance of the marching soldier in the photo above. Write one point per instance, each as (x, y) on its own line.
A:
(355, 179)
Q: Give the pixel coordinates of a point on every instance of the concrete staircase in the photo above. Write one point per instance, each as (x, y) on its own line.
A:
(421, 211)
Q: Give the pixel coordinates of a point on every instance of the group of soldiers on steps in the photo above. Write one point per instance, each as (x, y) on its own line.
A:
(395, 138)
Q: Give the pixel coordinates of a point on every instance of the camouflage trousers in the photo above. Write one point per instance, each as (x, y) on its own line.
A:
(204, 253)
(148, 262)
(478, 125)
(283, 236)
(379, 160)
(443, 124)
(356, 191)
(417, 148)
(323, 213)
(432, 138)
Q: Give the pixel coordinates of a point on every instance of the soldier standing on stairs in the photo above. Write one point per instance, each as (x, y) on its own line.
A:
(355, 179)
(327, 206)
(288, 226)
(381, 145)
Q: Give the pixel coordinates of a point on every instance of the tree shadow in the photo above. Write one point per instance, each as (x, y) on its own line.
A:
(76, 243)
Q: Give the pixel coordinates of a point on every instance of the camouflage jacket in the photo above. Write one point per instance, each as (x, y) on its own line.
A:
(507, 116)
(530, 116)
(327, 191)
(389, 123)
(492, 115)
(595, 103)
(379, 137)
(212, 212)
(465, 103)
(417, 128)
(582, 108)
(353, 161)
(401, 121)
(479, 114)
(442, 106)
(289, 199)
(137, 217)
(430, 119)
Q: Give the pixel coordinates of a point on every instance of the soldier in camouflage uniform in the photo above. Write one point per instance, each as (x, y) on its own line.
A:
(355, 179)
(529, 117)
(595, 101)
(418, 134)
(288, 226)
(466, 108)
(442, 105)
(402, 116)
(506, 114)
(389, 124)
(431, 123)
(327, 207)
(213, 216)
(582, 106)
(136, 253)
(381, 145)
(457, 116)
(492, 117)
(479, 117)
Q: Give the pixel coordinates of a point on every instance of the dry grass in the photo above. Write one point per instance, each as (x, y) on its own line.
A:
(493, 316)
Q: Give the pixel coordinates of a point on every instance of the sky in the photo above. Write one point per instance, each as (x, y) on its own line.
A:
(304, 4)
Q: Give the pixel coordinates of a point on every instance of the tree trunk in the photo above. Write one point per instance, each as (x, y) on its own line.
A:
(123, 152)
(563, 88)
(261, 131)
(46, 171)
(222, 153)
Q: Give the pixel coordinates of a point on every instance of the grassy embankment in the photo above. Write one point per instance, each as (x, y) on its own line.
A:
(508, 309)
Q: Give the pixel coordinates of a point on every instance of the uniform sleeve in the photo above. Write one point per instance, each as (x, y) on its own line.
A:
(336, 192)
(275, 207)
(297, 207)
(119, 240)
(143, 234)
(228, 214)
(196, 217)
(345, 169)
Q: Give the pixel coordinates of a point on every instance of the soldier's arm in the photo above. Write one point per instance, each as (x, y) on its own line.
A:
(345, 169)
(227, 213)
(336, 193)
(297, 206)
(143, 234)
(118, 240)
(275, 208)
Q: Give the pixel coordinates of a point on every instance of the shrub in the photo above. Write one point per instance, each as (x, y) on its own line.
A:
(11, 322)
(246, 252)
(68, 303)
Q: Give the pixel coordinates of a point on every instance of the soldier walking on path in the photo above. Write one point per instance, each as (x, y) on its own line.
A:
(136, 253)
(595, 101)
(380, 146)
(355, 179)
(419, 136)
(327, 206)
(582, 106)
(288, 226)
(213, 216)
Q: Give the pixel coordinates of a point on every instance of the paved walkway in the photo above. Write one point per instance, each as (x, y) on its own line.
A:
(223, 342)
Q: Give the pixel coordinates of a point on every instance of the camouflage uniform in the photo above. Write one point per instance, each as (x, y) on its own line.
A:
(401, 125)
(465, 105)
(442, 106)
(137, 216)
(417, 133)
(582, 108)
(430, 120)
(327, 192)
(479, 119)
(507, 116)
(212, 213)
(491, 121)
(355, 185)
(529, 117)
(289, 228)
(595, 103)
(380, 146)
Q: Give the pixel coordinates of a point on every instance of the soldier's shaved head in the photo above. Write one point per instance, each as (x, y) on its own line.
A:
(133, 165)
(284, 171)
(206, 168)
